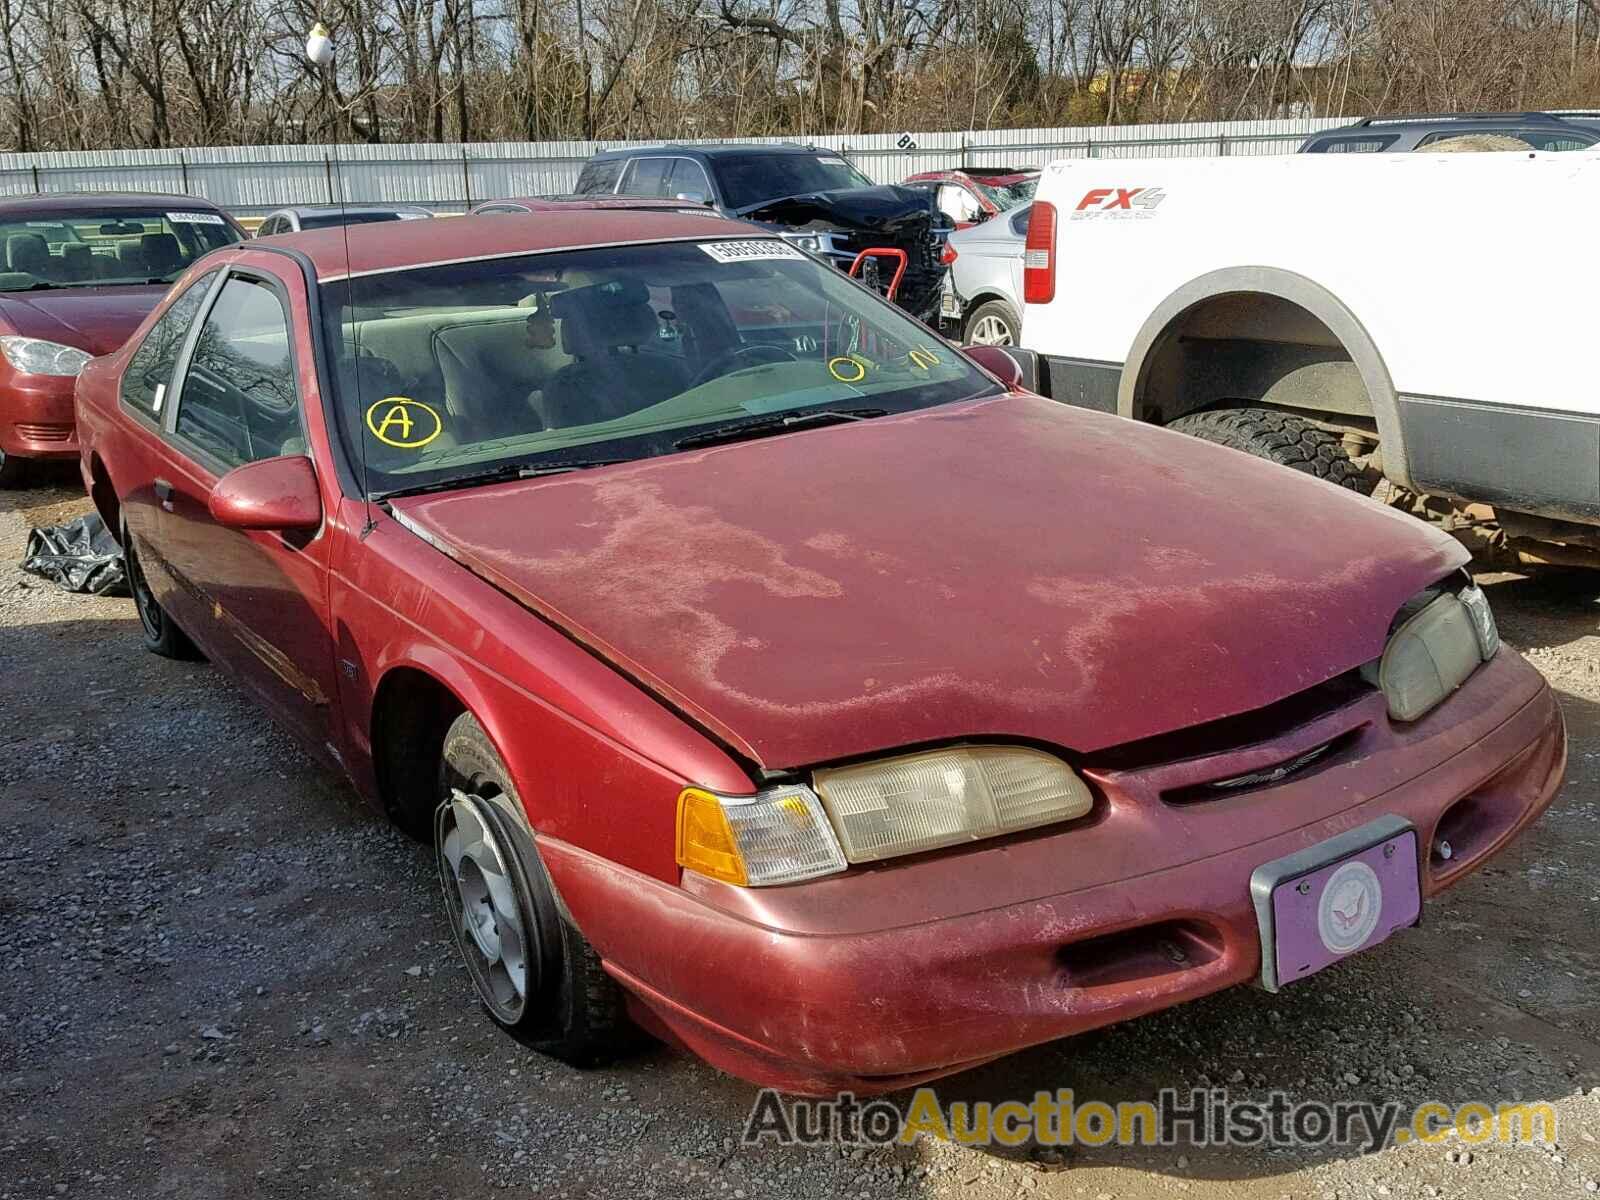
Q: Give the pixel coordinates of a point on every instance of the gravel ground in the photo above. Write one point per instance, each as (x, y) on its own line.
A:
(221, 976)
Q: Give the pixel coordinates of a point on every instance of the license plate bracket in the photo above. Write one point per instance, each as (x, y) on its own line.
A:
(1335, 899)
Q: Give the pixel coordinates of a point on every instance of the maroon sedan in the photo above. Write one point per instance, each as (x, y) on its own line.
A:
(977, 193)
(774, 677)
(79, 273)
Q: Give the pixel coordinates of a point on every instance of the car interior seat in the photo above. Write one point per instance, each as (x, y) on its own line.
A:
(130, 259)
(490, 372)
(610, 330)
(707, 328)
(77, 261)
(162, 255)
(31, 253)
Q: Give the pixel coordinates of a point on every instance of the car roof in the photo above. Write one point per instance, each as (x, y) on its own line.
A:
(103, 201)
(390, 247)
(717, 151)
(1466, 122)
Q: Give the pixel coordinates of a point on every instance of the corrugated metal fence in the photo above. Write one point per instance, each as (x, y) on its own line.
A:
(251, 180)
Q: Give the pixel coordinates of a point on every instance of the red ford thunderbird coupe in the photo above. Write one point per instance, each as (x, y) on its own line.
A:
(772, 676)
(80, 272)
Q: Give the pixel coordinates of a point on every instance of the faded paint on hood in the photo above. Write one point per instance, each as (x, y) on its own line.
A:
(1003, 567)
(95, 319)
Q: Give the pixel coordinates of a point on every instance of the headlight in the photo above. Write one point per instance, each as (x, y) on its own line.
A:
(942, 797)
(780, 835)
(1434, 650)
(805, 241)
(35, 356)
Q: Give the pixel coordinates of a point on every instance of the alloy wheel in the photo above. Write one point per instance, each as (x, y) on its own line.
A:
(485, 910)
(991, 331)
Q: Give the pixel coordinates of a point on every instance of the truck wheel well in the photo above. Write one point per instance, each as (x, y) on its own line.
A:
(1244, 346)
(411, 713)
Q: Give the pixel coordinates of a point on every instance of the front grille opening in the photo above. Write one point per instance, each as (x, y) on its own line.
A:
(1233, 733)
(1307, 762)
(1144, 952)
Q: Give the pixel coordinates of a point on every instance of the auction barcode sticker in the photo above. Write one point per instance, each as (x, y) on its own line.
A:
(193, 218)
(750, 250)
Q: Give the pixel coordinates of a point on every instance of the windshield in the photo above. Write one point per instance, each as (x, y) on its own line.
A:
(748, 180)
(83, 248)
(1011, 194)
(612, 354)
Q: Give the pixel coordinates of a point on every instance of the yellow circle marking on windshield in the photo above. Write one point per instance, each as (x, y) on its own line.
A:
(847, 370)
(923, 358)
(404, 423)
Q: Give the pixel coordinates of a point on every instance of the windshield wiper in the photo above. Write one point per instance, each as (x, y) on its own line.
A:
(500, 474)
(766, 426)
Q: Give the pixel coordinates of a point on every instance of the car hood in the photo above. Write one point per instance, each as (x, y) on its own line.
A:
(874, 209)
(1006, 568)
(95, 319)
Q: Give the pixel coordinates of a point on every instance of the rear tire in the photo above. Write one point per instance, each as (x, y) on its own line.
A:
(992, 323)
(538, 977)
(161, 633)
(1280, 437)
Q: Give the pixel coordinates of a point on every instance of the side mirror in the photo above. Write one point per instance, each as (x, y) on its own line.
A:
(997, 362)
(275, 493)
(693, 197)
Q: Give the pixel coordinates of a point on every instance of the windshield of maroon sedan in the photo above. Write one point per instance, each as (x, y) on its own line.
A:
(82, 247)
(573, 358)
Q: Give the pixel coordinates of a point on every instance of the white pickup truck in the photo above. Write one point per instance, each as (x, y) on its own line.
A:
(1432, 320)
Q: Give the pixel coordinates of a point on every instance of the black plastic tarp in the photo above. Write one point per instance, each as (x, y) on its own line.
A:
(81, 556)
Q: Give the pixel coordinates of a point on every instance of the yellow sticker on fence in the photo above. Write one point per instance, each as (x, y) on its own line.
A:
(403, 423)
(847, 370)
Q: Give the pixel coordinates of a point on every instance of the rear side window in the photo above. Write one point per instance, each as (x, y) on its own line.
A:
(1370, 144)
(599, 178)
(239, 402)
(149, 371)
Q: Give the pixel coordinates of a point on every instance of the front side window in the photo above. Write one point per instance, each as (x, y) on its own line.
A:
(957, 203)
(149, 372)
(239, 402)
(612, 354)
(688, 176)
(751, 180)
(328, 220)
(83, 247)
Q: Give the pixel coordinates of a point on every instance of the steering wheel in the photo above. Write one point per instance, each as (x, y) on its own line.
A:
(725, 362)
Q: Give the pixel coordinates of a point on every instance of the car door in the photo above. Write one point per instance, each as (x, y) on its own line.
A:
(145, 400)
(256, 601)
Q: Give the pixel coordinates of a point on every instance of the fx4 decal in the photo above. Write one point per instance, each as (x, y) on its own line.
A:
(1118, 203)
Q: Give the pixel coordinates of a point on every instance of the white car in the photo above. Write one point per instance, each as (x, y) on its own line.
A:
(982, 300)
(1429, 317)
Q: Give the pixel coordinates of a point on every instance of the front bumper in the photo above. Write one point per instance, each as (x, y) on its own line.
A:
(890, 975)
(36, 416)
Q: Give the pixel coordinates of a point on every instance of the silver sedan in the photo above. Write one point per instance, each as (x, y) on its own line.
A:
(982, 301)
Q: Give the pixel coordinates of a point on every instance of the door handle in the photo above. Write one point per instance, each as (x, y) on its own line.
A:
(163, 491)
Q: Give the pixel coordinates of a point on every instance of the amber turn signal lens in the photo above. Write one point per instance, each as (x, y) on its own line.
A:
(705, 839)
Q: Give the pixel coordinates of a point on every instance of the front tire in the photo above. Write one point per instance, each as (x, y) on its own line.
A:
(12, 470)
(1280, 437)
(993, 323)
(161, 633)
(538, 977)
